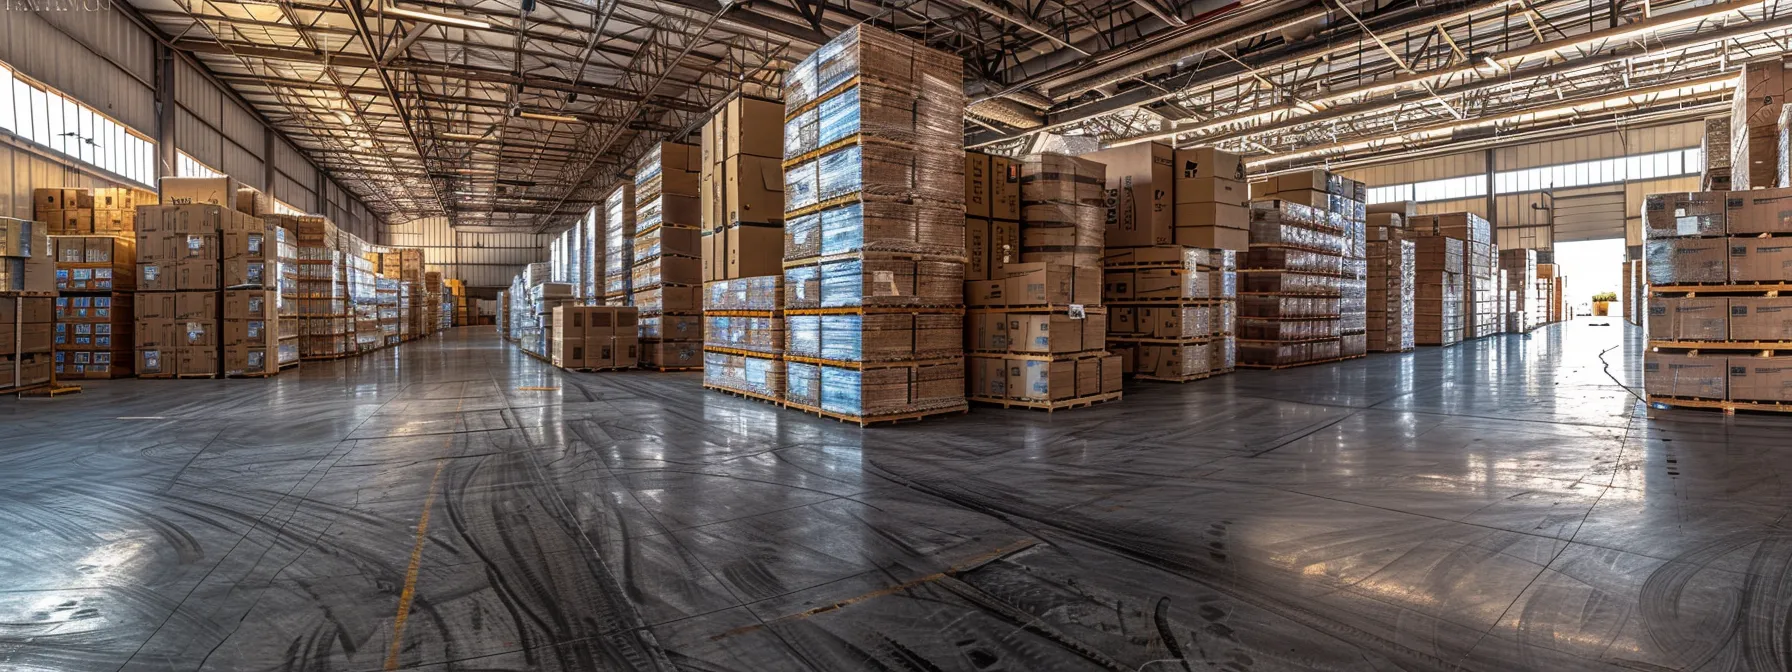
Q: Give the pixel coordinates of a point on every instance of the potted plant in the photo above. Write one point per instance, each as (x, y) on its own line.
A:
(1602, 303)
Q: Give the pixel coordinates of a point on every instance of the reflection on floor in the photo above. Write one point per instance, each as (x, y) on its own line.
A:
(1502, 505)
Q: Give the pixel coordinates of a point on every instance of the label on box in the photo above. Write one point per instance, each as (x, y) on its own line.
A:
(194, 245)
(150, 273)
(1076, 311)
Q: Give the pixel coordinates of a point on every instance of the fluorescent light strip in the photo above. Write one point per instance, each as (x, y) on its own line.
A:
(437, 18)
(549, 117)
(467, 136)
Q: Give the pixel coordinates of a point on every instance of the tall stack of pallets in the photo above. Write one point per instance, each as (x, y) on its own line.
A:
(27, 295)
(666, 279)
(1392, 259)
(1290, 287)
(743, 337)
(874, 230)
(1438, 306)
(619, 246)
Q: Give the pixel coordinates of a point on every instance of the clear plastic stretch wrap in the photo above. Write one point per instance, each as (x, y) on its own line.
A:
(867, 338)
(875, 171)
(673, 327)
(747, 374)
(802, 336)
(1060, 178)
(1265, 233)
(753, 334)
(880, 281)
(758, 293)
(1221, 284)
(802, 287)
(1289, 282)
(1287, 306)
(874, 392)
(802, 236)
(1296, 214)
(1287, 353)
(648, 167)
(645, 275)
(802, 383)
(1293, 259)
(1186, 322)
(1223, 352)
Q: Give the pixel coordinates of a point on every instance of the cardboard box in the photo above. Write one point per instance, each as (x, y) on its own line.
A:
(1117, 286)
(251, 359)
(1035, 380)
(1679, 375)
(753, 189)
(1760, 378)
(988, 331)
(1200, 162)
(1754, 318)
(1041, 283)
(195, 306)
(977, 248)
(196, 275)
(1758, 211)
(26, 310)
(1165, 283)
(1701, 318)
(1757, 260)
(986, 293)
(1112, 368)
(989, 377)
(1088, 377)
(1214, 237)
(751, 126)
(1212, 190)
(1044, 334)
(1677, 260)
(1140, 198)
(249, 304)
(249, 332)
(976, 185)
(1004, 190)
(1004, 246)
(672, 354)
(199, 361)
(751, 251)
(195, 190)
(1679, 214)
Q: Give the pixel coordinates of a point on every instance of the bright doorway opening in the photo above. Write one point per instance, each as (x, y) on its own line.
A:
(1592, 267)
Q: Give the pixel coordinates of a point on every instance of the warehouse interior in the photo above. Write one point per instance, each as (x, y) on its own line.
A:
(823, 335)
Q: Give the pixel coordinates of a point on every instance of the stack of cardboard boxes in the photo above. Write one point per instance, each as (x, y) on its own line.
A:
(1718, 154)
(1392, 285)
(743, 190)
(1526, 303)
(1636, 292)
(874, 229)
(618, 247)
(744, 338)
(1715, 262)
(1339, 265)
(286, 253)
(107, 211)
(321, 303)
(1755, 126)
(1037, 327)
(594, 338)
(666, 280)
(1481, 315)
(27, 291)
(1553, 288)
(1438, 305)
(95, 317)
(207, 286)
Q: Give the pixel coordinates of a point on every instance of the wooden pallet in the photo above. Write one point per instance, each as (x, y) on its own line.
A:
(48, 390)
(1274, 367)
(1179, 379)
(1727, 407)
(258, 374)
(745, 394)
(742, 353)
(1049, 406)
(602, 369)
(671, 369)
(878, 310)
(894, 418)
(1722, 288)
(861, 366)
(1755, 346)
(197, 376)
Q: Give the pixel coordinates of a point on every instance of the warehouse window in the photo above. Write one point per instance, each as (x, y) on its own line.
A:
(1674, 163)
(63, 125)
(187, 166)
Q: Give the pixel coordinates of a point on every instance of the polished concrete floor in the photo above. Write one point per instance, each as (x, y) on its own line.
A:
(453, 505)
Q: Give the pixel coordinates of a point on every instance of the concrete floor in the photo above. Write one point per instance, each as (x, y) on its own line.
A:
(1502, 505)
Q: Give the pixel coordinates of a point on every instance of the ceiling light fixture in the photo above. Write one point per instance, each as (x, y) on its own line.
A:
(549, 117)
(467, 136)
(437, 18)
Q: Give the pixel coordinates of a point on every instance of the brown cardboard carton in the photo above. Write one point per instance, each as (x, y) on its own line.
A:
(26, 310)
(1199, 162)
(155, 361)
(1212, 190)
(1004, 246)
(211, 190)
(1759, 260)
(1041, 283)
(751, 126)
(1036, 380)
(196, 275)
(1679, 375)
(1660, 325)
(1112, 368)
(754, 189)
(1214, 237)
(195, 305)
(986, 293)
(1095, 331)
(1755, 318)
(249, 332)
(754, 251)
(1088, 377)
(1760, 378)
(1701, 319)
(251, 359)
(1054, 334)
(32, 338)
(199, 361)
(989, 331)
(1004, 189)
(1164, 283)
(1140, 200)
(1677, 261)
(989, 377)
(157, 277)
(976, 184)
(1124, 321)
(1679, 214)
(977, 248)
(1118, 286)
(1759, 211)
(713, 261)
(672, 354)
(247, 273)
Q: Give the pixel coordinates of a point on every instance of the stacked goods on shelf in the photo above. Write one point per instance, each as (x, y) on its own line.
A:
(1755, 124)
(526, 323)
(1291, 286)
(286, 255)
(1520, 267)
(1212, 199)
(1392, 267)
(593, 338)
(364, 303)
(743, 336)
(1552, 286)
(666, 281)
(1172, 310)
(618, 246)
(461, 308)
(874, 229)
(1438, 307)
(1481, 315)
(95, 278)
(109, 211)
(207, 291)
(386, 295)
(1717, 324)
(992, 215)
(1716, 145)
(742, 184)
(1343, 202)
(27, 295)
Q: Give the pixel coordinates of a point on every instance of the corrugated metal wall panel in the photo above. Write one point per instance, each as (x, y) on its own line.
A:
(1474, 205)
(198, 139)
(1420, 170)
(22, 171)
(1604, 145)
(38, 49)
(240, 164)
(242, 128)
(109, 34)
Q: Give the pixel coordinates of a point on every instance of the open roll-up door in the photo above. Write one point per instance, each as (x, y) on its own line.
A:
(1589, 214)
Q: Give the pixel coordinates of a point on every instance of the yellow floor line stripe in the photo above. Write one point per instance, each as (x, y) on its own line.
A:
(410, 575)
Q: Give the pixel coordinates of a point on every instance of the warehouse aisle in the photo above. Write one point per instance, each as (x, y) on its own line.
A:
(452, 504)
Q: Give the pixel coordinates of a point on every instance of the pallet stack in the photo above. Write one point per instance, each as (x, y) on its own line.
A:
(743, 190)
(618, 247)
(1636, 295)
(1716, 321)
(1480, 309)
(27, 297)
(1755, 126)
(1392, 268)
(95, 318)
(1718, 154)
(286, 255)
(1290, 287)
(1552, 287)
(666, 279)
(744, 337)
(1171, 308)
(364, 302)
(1438, 305)
(593, 338)
(386, 291)
(207, 286)
(874, 230)
(1527, 303)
